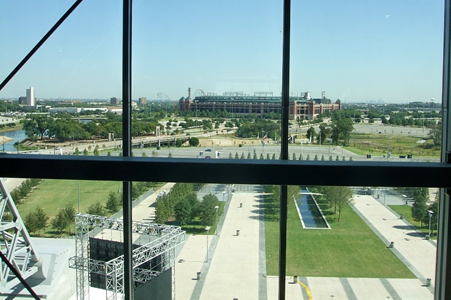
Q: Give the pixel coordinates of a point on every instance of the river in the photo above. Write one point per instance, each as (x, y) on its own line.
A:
(16, 135)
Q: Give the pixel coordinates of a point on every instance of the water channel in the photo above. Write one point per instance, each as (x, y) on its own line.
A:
(16, 135)
(309, 211)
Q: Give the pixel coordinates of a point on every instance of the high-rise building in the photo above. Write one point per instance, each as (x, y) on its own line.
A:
(31, 101)
(23, 100)
(115, 101)
(142, 101)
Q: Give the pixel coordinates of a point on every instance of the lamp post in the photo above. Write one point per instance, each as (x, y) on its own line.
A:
(217, 209)
(430, 218)
(404, 209)
(223, 195)
(79, 196)
(208, 231)
(385, 191)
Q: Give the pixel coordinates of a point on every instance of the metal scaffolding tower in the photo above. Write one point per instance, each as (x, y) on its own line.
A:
(166, 238)
(15, 243)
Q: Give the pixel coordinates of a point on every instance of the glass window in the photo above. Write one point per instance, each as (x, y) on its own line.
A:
(210, 88)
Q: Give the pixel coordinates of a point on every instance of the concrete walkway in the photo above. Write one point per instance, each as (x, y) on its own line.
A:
(236, 254)
(234, 267)
(235, 262)
(145, 211)
(410, 246)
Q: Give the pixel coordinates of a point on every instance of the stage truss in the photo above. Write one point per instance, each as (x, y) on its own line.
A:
(15, 243)
(166, 239)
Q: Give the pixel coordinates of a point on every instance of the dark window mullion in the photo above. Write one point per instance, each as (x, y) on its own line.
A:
(443, 264)
(127, 144)
(284, 145)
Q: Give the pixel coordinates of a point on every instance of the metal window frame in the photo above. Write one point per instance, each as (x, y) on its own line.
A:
(283, 172)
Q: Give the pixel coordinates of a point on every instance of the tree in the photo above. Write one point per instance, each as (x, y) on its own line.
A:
(60, 222)
(324, 133)
(434, 218)
(64, 218)
(96, 151)
(31, 222)
(311, 134)
(77, 152)
(69, 214)
(207, 211)
(341, 131)
(162, 210)
(85, 152)
(182, 211)
(36, 125)
(436, 134)
(96, 209)
(178, 143)
(113, 202)
(420, 209)
(42, 217)
(339, 197)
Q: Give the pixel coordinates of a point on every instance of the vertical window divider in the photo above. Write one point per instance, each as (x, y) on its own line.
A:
(284, 145)
(127, 145)
(443, 261)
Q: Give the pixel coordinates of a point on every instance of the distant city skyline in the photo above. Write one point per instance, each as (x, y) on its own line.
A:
(388, 51)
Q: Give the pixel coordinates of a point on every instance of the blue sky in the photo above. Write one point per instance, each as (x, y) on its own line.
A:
(353, 50)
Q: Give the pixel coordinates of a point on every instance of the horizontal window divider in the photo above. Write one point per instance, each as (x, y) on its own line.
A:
(278, 172)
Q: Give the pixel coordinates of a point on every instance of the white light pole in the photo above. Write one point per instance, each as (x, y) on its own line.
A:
(430, 218)
(223, 195)
(404, 210)
(217, 209)
(208, 230)
(79, 196)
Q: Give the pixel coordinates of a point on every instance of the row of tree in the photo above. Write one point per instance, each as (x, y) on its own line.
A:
(293, 157)
(64, 127)
(420, 208)
(26, 187)
(181, 203)
(37, 220)
(336, 198)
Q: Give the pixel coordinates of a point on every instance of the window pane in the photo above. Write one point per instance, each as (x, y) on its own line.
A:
(66, 96)
(347, 238)
(212, 83)
(368, 80)
(224, 250)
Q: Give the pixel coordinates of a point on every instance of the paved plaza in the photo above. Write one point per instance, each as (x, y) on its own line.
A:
(236, 262)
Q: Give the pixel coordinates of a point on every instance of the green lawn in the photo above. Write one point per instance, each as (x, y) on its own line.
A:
(407, 211)
(349, 249)
(53, 195)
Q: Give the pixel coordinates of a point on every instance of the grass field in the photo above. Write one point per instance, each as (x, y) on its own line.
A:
(407, 211)
(349, 249)
(52, 195)
(378, 144)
